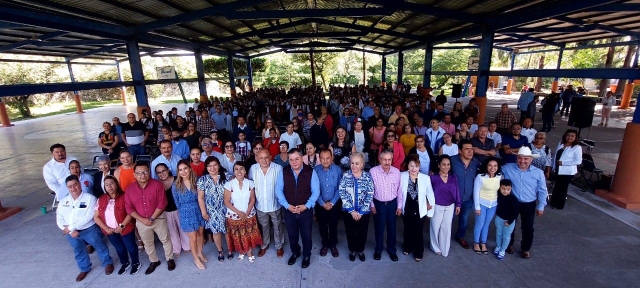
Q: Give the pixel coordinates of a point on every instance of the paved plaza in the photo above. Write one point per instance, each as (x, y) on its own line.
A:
(588, 244)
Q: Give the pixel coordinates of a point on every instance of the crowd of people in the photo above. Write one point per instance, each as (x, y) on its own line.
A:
(226, 167)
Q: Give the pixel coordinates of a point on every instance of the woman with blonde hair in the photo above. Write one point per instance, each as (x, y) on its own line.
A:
(186, 196)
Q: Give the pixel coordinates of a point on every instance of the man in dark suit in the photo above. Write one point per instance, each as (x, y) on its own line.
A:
(104, 169)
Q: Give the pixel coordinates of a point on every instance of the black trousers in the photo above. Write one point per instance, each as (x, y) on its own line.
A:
(560, 189)
(299, 226)
(328, 224)
(527, 212)
(356, 232)
(413, 235)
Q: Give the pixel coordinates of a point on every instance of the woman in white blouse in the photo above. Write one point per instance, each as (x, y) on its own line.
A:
(359, 138)
(485, 200)
(565, 166)
(242, 227)
(448, 148)
(229, 157)
(607, 105)
(418, 203)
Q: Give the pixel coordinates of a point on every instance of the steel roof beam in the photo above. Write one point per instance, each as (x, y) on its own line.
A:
(258, 55)
(76, 42)
(618, 7)
(316, 45)
(95, 51)
(261, 46)
(31, 41)
(534, 39)
(313, 35)
(428, 10)
(598, 26)
(314, 51)
(367, 29)
(218, 10)
(372, 44)
(308, 13)
(572, 29)
(258, 32)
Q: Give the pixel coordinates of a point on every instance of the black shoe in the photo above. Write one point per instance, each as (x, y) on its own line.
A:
(152, 267)
(90, 249)
(124, 268)
(361, 256)
(306, 261)
(352, 256)
(377, 256)
(393, 257)
(292, 259)
(135, 268)
(171, 265)
(509, 250)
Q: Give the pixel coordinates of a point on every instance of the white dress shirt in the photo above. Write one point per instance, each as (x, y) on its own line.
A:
(76, 214)
(54, 175)
(204, 156)
(293, 139)
(265, 184)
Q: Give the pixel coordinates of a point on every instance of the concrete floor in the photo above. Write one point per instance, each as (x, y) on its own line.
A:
(582, 246)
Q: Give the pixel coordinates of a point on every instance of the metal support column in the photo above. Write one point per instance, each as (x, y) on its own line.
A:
(364, 69)
(428, 57)
(202, 84)
(384, 72)
(313, 69)
(123, 90)
(250, 74)
(484, 65)
(554, 85)
(76, 94)
(232, 78)
(512, 63)
(133, 51)
(400, 68)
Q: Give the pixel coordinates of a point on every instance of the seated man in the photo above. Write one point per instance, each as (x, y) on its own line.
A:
(75, 218)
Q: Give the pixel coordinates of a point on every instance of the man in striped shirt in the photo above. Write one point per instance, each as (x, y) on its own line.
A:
(264, 175)
(387, 204)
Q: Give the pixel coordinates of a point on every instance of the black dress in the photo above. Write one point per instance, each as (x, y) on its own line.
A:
(413, 224)
(561, 187)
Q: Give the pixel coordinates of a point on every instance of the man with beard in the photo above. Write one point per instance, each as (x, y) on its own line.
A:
(512, 143)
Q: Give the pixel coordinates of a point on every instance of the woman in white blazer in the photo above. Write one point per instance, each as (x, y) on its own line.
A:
(418, 203)
(568, 157)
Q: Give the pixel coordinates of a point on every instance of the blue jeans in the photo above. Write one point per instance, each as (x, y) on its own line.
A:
(385, 214)
(93, 237)
(481, 229)
(463, 218)
(125, 247)
(136, 150)
(503, 233)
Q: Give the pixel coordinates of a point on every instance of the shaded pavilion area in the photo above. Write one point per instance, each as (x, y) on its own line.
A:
(577, 248)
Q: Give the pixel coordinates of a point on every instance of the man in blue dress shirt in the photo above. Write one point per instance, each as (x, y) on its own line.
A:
(328, 205)
(465, 167)
(180, 146)
(529, 186)
(297, 190)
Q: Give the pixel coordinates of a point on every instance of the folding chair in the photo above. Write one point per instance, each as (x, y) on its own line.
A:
(95, 162)
(588, 165)
(55, 201)
(145, 158)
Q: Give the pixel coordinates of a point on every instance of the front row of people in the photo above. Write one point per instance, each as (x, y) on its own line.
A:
(235, 206)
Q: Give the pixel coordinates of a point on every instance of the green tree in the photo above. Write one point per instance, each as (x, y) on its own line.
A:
(323, 63)
(217, 68)
(449, 60)
(14, 73)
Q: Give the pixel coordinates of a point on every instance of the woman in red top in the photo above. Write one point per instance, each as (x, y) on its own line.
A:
(391, 143)
(196, 165)
(114, 222)
(272, 144)
(327, 121)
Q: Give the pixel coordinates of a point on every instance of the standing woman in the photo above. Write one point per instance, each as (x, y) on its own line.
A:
(390, 143)
(311, 158)
(425, 155)
(418, 203)
(239, 197)
(119, 227)
(192, 136)
(186, 196)
(108, 141)
(306, 127)
(360, 139)
(464, 132)
(229, 158)
(356, 192)
(485, 199)
(179, 239)
(447, 198)
(341, 147)
(267, 127)
(607, 105)
(408, 139)
(256, 146)
(376, 136)
(211, 201)
(196, 163)
(158, 125)
(448, 148)
(282, 159)
(327, 121)
(565, 166)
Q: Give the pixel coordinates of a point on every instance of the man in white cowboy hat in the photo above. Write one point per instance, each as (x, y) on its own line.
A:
(529, 185)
